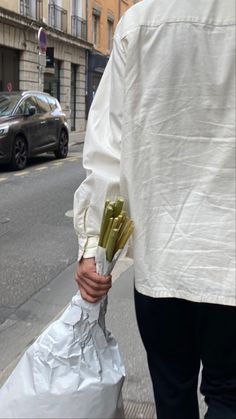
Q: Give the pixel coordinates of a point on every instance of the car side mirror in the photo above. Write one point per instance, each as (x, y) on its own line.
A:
(31, 111)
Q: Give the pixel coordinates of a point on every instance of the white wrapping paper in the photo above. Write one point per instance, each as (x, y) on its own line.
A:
(104, 267)
(73, 370)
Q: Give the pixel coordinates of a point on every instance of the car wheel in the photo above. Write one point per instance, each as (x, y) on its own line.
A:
(19, 153)
(62, 150)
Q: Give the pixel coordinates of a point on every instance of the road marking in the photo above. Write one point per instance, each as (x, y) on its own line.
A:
(3, 178)
(41, 168)
(69, 214)
(75, 156)
(21, 173)
(57, 164)
(72, 158)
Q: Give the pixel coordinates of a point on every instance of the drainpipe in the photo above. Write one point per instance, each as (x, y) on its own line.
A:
(86, 17)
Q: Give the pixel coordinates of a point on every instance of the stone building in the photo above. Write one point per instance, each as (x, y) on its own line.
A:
(66, 31)
(78, 40)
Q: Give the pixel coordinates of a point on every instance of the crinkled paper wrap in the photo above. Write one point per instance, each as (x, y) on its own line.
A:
(103, 266)
(73, 370)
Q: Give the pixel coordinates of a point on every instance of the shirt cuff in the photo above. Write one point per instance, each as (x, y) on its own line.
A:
(87, 247)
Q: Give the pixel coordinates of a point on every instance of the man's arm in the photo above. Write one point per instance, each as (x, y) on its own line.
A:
(102, 163)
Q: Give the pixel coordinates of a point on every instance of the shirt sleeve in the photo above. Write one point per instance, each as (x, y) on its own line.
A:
(101, 158)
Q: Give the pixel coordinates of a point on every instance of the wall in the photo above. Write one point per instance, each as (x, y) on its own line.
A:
(13, 5)
(19, 33)
(107, 7)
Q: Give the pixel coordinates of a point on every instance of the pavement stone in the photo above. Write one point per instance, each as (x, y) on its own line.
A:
(76, 137)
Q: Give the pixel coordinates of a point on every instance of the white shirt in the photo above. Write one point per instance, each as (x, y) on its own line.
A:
(161, 133)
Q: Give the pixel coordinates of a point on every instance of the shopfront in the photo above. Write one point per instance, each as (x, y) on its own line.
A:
(96, 66)
(52, 79)
(9, 69)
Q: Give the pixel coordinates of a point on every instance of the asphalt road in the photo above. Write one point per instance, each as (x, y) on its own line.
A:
(37, 240)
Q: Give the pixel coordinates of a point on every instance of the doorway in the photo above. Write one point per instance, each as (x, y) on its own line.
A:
(9, 69)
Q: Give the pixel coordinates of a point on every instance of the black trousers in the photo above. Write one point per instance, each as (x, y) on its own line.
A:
(177, 335)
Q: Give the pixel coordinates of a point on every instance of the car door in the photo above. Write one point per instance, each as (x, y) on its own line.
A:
(31, 125)
(56, 115)
(48, 117)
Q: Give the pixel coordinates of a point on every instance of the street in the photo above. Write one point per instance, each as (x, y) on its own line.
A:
(37, 238)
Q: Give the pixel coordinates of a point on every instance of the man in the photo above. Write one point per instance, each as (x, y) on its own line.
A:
(161, 134)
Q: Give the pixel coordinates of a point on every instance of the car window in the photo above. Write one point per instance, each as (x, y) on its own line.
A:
(43, 104)
(52, 102)
(7, 103)
(26, 104)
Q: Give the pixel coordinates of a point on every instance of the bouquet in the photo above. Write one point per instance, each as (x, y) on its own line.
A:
(116, 229)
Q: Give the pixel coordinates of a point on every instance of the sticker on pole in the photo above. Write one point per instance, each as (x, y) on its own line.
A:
(9, 87)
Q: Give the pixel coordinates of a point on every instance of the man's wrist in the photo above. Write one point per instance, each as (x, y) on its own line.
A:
(88, 249)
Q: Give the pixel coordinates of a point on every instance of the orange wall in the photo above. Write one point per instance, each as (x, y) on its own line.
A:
(108, 7)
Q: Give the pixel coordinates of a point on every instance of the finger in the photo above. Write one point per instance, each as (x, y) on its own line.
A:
(87, 297)
(95, 293)
(95, 277)
(96, 286)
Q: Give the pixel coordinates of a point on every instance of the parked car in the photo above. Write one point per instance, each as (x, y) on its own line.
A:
(31, 123)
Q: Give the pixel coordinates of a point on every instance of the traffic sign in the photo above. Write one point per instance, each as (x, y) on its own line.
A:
(42, 40)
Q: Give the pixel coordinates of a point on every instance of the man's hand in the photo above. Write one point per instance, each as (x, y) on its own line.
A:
(92, 286)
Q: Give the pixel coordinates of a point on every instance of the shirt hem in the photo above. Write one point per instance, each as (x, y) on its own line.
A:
(211, 299)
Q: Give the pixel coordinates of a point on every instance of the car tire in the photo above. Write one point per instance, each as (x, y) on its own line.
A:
(19, 153)
(62, 150)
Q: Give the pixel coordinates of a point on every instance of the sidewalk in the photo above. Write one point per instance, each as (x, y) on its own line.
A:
(48, 304)
(137, 389)
(76, 137)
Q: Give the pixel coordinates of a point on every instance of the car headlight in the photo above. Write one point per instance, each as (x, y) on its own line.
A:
(4, 130)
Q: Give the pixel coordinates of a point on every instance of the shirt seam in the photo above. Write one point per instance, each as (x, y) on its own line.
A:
(152, 25)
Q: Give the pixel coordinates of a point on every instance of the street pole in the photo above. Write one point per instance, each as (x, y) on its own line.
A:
(41, 68)
(42, 42)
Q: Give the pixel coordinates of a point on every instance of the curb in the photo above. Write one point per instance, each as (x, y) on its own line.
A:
(76, 137)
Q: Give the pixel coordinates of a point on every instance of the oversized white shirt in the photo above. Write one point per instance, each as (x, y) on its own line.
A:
(161, 134)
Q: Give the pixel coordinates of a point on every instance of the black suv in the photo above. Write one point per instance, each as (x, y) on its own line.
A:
(31, 123)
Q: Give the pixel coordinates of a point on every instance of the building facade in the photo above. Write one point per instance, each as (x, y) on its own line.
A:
(103, 16)
(78, 44)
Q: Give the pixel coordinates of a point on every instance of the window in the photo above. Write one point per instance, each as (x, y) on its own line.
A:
(109, 34)
(57, 16)
(26, 104)
(43, 104)
(53, 103)
(7, 104)
(32, 9)
(96, 28)
(77, 8)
